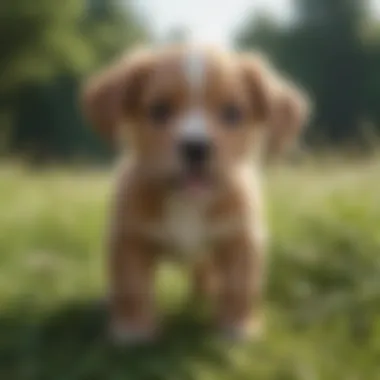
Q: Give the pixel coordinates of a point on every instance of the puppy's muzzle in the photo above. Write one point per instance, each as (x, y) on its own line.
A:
(195, 154)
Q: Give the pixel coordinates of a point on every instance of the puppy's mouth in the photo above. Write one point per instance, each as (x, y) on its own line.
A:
(195, 182)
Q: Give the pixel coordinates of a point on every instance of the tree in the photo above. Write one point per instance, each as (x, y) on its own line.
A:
(40, 40)
(112, 26)
(324, 51)
(45, 47)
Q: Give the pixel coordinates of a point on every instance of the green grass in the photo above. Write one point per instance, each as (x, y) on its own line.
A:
(323, 290)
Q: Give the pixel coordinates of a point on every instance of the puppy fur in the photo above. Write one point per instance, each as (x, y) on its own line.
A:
(219, 233)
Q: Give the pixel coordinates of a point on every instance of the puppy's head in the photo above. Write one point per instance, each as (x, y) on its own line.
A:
(190, 113)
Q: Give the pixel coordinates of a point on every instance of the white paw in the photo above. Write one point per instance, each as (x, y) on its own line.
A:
(252, 331)
(130, 336)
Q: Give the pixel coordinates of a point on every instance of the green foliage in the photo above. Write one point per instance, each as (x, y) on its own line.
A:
(46, 46)
(323, 289)
(326, 51)
(40, 40)
(49, 38)
(111, 27)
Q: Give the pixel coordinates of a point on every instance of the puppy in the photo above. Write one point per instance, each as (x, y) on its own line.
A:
(195, 119)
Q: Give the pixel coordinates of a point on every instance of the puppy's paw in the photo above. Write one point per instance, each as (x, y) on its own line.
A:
(123, 335)
(252, 330)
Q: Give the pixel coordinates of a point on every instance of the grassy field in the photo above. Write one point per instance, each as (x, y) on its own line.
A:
(323, 292)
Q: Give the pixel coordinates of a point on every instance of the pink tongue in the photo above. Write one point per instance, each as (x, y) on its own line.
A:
(195, 184)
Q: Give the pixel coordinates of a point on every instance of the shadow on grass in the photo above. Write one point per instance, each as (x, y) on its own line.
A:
(69, 343)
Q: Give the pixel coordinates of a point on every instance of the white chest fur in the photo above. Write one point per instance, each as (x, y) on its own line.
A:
(184, 222)
(185, 229)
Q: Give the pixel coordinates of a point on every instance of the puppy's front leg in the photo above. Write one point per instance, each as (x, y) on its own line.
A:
(132, 267)
(241, 269)
(204, 280)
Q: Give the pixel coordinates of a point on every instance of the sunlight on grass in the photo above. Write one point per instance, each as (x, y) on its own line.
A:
(323, 291)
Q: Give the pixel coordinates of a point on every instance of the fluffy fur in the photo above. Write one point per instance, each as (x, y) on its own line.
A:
(219, 232)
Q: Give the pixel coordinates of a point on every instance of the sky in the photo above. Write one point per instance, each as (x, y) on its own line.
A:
(212, 21)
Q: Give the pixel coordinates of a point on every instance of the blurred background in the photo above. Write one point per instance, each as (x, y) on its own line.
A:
(332, 48)
(323, 295)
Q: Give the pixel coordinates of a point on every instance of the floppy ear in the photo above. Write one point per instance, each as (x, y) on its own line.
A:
(110, 97)
(258, 81)
(281, 107)
(290, 113)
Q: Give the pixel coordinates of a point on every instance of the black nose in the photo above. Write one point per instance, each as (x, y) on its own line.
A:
(195, 152)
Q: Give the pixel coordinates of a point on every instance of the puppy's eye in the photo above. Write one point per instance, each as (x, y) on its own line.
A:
(160, 112)
(231, 114)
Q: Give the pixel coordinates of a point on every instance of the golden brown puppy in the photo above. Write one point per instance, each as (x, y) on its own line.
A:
(194, 118)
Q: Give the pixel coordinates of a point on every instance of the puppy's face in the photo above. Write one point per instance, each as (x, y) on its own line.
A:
(190, 114)
(195, 115)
